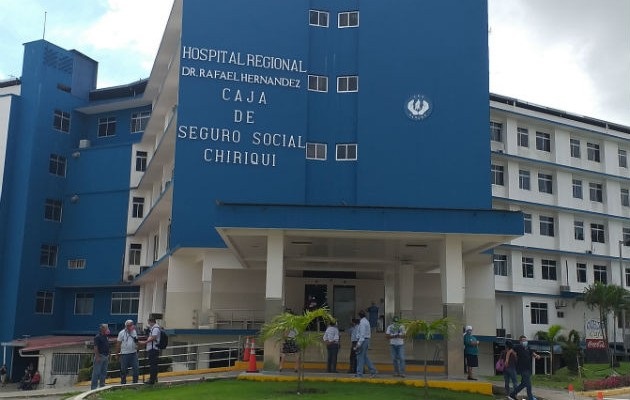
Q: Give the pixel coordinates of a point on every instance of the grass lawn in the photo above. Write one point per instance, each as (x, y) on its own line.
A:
(246, 390)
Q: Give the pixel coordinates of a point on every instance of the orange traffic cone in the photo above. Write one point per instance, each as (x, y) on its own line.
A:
(600, 396)
(246, 350)
(252, 358)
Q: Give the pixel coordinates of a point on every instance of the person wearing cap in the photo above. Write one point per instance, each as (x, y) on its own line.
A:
(471, 352)
(127, 348)
(395, 332)
(101, 357)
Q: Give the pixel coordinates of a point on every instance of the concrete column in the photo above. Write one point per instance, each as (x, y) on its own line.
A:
(390, 295)
(406, 279)
(453, 294)
(274, 288)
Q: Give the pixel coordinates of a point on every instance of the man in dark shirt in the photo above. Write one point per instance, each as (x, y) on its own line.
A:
(524, 367)
(101, 357)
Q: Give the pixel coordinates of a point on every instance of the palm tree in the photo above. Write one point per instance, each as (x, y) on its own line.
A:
(551, 336)
(428, 329)
(282, 324)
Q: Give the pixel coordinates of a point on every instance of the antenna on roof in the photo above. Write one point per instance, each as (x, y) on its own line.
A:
(44, 34)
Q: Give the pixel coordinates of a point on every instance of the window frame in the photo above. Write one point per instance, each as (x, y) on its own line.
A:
(600, 274)
(48, 255)
(315, 149)
(84, 303)
(139, 120)
(57, 165)
(345, 149)
(523, 136)
(625, 197)
(349, 22)
(527, 266)
(547, 225)
(320, 83)
(596, 192)
(545, 183)
(348, 81)
(496, 131)
(44, 302)
(578, 230)
(142, 158)
(593, 152)
(622, 157)
(581, 272)
(128, 300)
(524, 179)
(549, 270)
(61, 121)
(543, 141)
(539, 313)
(598, 233)
(498, 172)
(134, 254)
(318, 14)
(578, 189)
(527, 223)
(53, 210)
(575, 146)
(500, 264)
(137, 207)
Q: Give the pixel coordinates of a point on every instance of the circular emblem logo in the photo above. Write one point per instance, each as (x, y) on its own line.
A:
(418, 107)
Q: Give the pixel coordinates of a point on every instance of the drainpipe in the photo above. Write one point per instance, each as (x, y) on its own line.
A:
(41, 372)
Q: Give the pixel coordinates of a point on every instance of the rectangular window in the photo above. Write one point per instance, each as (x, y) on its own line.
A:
(61, 121)
(596, 193)
(524, 181)
(625, 197)
(139, 121)
(627, 276)
(600, 274)
(44, 302)
(500, 264)
(546, 226)
(598, 235)
(592, 152)
(577, 189)
(318, 18)
(581, 272)
(578, 230)
(106, 126)
(539, 313)
(52, 210)
(528, 267)
(346, 84)
(138, 207)
(76, 263)
(135, 253)
(527, 222)
(523, 137)
(156, 247)
(623, 158)
(48, 255)
(347, 152)
(496, 131)
(548, 270)
(497, 174)
(318, 83)
(575, 148)
(543, 141)
(125, 303)
(348, 19)
(315, 151)
(57, 165)
(141, 161)
(545, 183)
(625, 232)
(68, 363)
(83, 304)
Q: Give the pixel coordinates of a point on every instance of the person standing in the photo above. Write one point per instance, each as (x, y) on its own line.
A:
(524, 357)
(373, 315)
(101, 357)
(331, 338)
(471, 352)
(153, 351)
(354, 338)
(363, 344)
(509, 367)
(395, 332)
(289, 346)
(3, 375)
(127, 348)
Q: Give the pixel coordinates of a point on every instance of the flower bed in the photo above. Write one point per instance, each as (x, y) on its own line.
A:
(609, 382)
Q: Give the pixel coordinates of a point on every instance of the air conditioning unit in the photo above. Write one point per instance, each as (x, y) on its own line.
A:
(565, 288)
(83, 143)
(144, 268)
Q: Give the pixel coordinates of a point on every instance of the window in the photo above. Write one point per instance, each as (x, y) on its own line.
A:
(598, 235)
(44, 302)
(84, 304)
(315, 151)
(548, 270)
(68, 363)
(497, 174)
(524, 180)
(543, 141)
(500, 264)
(52, 210)
(346, 152)
(106, 126)
(627, 276)
(318, 83)
(625, 197)
(592, 152)
(577, 189)
(545, 183)
(625, 232)
(623, 158)
(539, 313)
(346, 84)
(581, 272)
(596, 192)
(138, 207)
(348, 19)
(48, 255)
(496, 131)
(599, 274)
(139, 121)
(575, 148)
(546, 226)
(528, 267)
(523, 137)
(76, 263)
(57, 165)
(61, 121)
(135, 253)
(141, 161)
(156, 247)
(125, 302)
(578, 230)
(318, 18)
(527, 222)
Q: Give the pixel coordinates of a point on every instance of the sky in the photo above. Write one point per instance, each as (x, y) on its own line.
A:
(572, 55)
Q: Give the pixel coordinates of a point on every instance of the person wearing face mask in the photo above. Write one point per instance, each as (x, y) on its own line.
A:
(524, 368)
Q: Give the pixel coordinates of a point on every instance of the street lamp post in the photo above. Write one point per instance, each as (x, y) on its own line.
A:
(623, 310)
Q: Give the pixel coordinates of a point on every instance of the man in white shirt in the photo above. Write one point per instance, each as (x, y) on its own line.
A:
(331, 338)
(396, 334)
(127, 348)
(363, 344)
